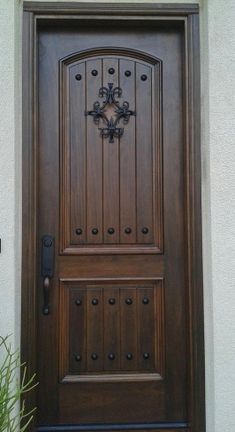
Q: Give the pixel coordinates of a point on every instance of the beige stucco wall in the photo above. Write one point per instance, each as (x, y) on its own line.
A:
(218, 159)
(10, 183)
(218, 193)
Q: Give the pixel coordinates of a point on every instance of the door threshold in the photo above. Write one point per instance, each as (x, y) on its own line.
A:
(114, 427)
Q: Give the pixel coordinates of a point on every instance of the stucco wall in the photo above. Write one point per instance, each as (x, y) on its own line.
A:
(218, 127)
(10, 183)
(218, 194)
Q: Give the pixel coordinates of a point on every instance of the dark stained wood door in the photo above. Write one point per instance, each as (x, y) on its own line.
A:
(111, 192)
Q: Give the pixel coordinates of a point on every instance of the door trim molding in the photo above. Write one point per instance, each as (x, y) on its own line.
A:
(123, 9)
(186, 14)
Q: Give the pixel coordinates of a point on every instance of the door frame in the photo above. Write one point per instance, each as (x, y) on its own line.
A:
(35, 13)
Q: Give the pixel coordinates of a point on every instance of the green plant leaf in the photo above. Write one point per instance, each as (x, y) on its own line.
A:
(12, 389)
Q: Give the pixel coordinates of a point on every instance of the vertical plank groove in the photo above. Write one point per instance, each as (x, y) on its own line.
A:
(95, 329)
(94, 158)
(111, 163)
(111, 328)
(144, 154)
(77, 334)
(77, 138)
(128, 156)
(136, 173)
(85, 121)
(128, 328)
(119, 169)
(147, 323)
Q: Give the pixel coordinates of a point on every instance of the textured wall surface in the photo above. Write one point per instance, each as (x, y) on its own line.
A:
(218, 54)
(10, 183)
(218, 193)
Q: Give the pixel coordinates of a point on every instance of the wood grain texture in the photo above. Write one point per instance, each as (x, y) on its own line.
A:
(144, 154)
(131, 266)
(194, 228)
(128, 156)
(146, 328)
(112, 328)
(114, 188)
(111, 206)
(29, 227)
(94, 160)
(77, 318)
(78, 150)
(118, 319)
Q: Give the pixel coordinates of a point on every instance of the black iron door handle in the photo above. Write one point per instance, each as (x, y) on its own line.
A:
(47, 270)
(46, 287)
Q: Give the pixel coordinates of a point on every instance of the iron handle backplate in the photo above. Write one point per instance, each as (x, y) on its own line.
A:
(47, 270)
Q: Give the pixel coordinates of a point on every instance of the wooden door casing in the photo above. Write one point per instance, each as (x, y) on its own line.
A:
(116, 272)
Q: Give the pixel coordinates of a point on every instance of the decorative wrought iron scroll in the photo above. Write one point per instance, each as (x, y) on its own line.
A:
(122, 112)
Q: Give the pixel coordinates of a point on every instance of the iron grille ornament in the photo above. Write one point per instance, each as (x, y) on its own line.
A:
(121, 112)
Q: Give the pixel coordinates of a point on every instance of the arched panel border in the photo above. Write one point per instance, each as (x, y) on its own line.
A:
(96, 52)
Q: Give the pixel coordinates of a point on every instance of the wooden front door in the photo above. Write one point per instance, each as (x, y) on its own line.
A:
(112, 266)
